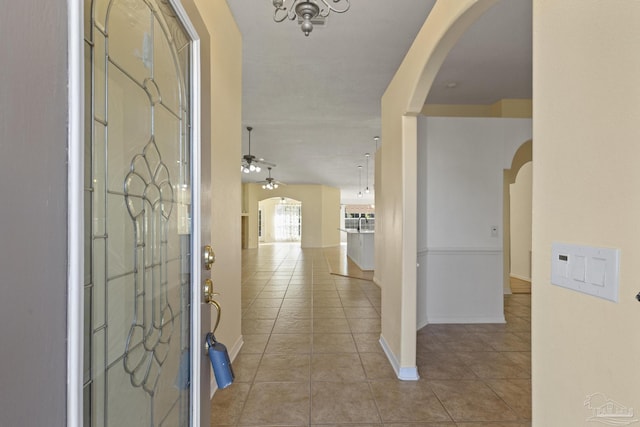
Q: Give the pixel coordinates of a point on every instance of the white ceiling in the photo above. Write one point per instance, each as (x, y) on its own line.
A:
(314, 102)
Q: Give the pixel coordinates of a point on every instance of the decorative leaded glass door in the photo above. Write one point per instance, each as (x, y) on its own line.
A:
(138, 215)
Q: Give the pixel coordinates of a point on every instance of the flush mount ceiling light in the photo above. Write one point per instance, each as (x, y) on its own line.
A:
(307, 12)
(251, 163)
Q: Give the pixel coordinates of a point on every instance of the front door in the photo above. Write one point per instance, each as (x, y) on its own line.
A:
(141, 225)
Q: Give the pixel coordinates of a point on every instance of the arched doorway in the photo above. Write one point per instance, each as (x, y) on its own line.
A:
(515, 241)
(396, 199)
(279, 220)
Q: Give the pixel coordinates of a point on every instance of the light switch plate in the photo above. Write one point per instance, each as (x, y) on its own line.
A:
(587, 269)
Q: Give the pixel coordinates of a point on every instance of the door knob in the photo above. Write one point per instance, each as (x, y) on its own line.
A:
(209, 257)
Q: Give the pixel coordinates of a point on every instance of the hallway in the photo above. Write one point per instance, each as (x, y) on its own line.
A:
(311, 356)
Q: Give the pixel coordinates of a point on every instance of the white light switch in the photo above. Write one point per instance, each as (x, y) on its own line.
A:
(578, 267)
(586, 269)
(597, 271)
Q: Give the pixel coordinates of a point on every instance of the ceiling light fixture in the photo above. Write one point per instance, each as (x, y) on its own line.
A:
(359, 182)
(270, 183)
(250, 162)
(307, 11)
(366, 190)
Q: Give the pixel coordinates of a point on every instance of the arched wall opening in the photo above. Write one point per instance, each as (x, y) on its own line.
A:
(320, 213)
(396, 199)
(279, 220)
(522, 157)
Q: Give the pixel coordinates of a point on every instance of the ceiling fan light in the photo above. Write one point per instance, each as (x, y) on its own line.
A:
(252, 168)
(275, 185)
(246, 170)
(258, 168)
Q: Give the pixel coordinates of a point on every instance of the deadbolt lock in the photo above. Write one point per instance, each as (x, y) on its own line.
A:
(209, 257)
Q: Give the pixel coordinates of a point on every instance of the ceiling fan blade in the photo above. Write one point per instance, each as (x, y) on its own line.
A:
(264, 162)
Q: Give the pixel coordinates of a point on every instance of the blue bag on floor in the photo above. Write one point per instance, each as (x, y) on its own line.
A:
(220, 362)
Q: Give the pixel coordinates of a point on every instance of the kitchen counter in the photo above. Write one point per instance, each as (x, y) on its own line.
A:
(360, 248)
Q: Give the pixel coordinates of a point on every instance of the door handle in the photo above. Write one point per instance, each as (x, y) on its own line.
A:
(208, 298)
(209, 257)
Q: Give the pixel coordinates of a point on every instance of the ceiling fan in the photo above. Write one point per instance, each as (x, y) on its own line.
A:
(270, 183)
(251, 163)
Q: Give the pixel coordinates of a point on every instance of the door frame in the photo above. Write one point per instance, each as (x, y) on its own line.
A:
(75, 213)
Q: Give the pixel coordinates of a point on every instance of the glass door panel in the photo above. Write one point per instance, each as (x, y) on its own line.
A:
(138, 215)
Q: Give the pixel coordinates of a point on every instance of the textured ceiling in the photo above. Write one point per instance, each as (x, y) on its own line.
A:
(314, 102)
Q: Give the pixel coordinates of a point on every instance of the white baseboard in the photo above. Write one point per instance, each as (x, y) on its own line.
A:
(233, 353)
(403, 373)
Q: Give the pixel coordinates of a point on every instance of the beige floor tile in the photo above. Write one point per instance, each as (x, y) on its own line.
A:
(298, 292)
(326, 302)
(361, 313)
(289, 343)
(522, 358)
(277, 404)
(227, 405)
(284, 368)
(441, 424)
(322, 293)
(443, 366)
(292, 326)
(296, 302)
(359, 326)
(506, 341)
(257, 326)
(516, 393)
(494, 365)
(272, 294)
(295, 313)
(377, 366)
(407, 401)
(480, 372)
(261, 313)
(254, 343)
(330, 326)
(341, 367)
(368, 343)
(245, 366)
(267, 302)
(328, 313)
(334, 402)
(517, 424)
(333, 343)
(472, 401)
(356, 302)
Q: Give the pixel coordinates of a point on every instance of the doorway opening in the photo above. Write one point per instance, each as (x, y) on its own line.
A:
(279, 220)
(517, 221)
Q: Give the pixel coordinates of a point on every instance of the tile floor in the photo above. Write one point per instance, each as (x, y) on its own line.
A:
(311, 356)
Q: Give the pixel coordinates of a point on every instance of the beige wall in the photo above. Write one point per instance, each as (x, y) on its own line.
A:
(586, 98)
(320, 212)
(222, 124)
(396, 195)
